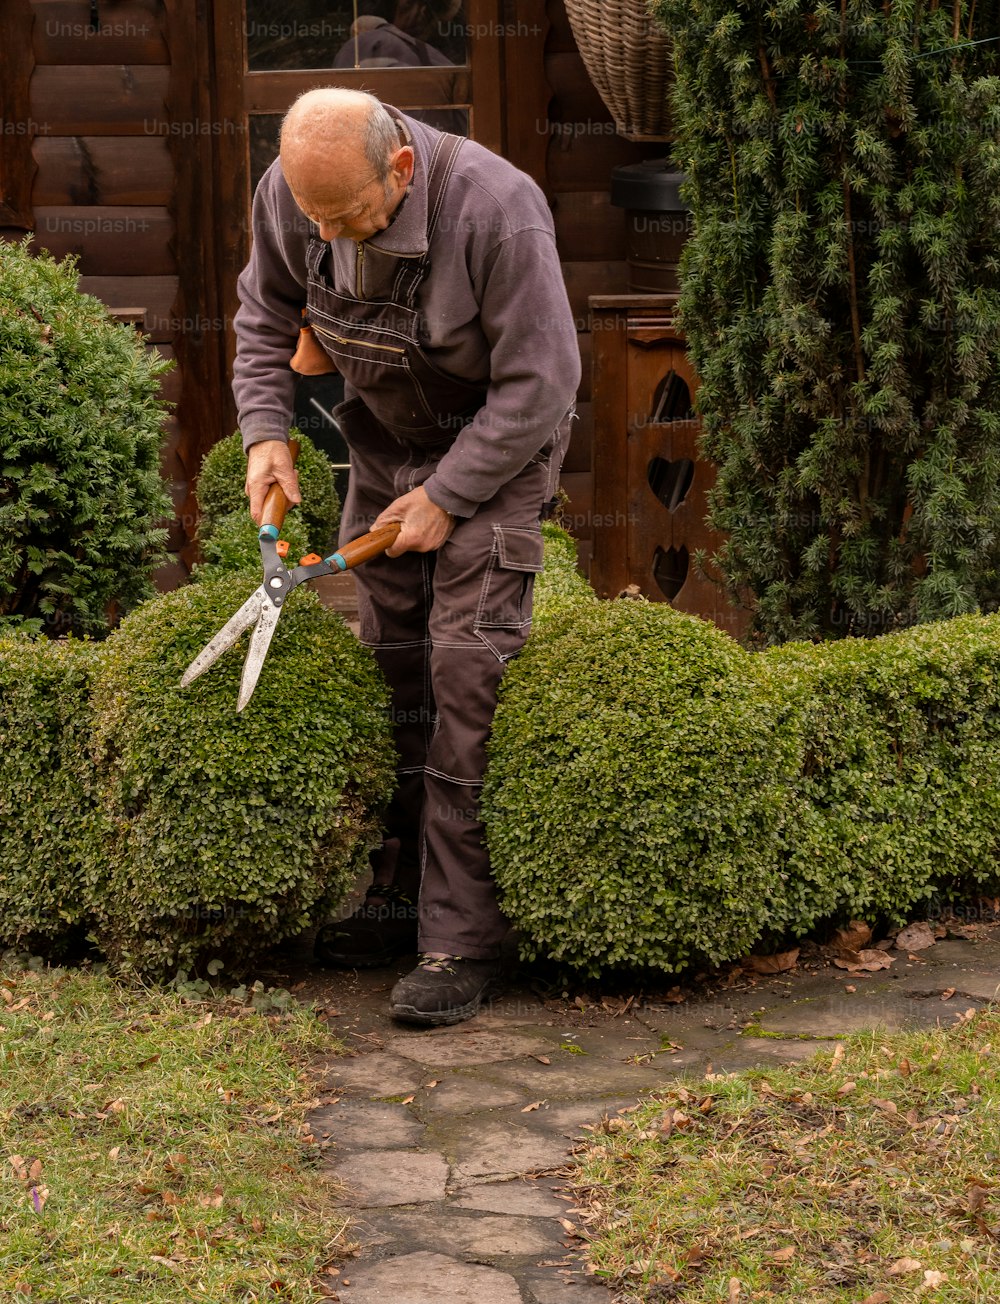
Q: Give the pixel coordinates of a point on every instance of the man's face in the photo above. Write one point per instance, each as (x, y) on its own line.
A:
(356, 210)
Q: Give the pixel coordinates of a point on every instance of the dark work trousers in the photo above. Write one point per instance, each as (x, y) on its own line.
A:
(442, 626)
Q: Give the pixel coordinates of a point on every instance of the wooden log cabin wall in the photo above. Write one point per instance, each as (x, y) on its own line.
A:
(126, 143)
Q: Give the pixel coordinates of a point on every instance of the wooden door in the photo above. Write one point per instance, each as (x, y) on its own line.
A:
(267, 52)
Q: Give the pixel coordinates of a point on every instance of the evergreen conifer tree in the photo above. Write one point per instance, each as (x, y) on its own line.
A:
(841, 297)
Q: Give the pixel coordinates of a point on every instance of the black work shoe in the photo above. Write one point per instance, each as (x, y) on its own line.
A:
(443, 989)
(373, 934)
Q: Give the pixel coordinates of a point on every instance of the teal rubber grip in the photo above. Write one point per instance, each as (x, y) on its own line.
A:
(268, 532)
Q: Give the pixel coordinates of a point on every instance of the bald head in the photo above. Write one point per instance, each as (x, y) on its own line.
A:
(336, 145)
(351, 127)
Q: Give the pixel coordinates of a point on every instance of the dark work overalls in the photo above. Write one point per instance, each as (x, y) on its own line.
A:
(442, 625)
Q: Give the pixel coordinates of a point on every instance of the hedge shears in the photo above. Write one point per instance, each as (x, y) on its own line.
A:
(263, 607)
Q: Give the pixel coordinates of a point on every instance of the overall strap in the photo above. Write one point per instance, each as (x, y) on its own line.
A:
(442, 162)
(316, 251)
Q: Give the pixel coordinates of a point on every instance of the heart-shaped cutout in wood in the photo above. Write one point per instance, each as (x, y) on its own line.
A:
(670, 481)
(670, 570)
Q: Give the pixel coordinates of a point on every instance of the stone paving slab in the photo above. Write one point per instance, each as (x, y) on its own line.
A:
(835, 1014)
(367, 1125)
(497, 1149)
(571, 1076)
(460, 1094)
(977, 985)
(477, 1235)
(758, 1052)
(567, 1120)
(377, 1179)
(522, 1198)
(451, 1048)
(424, 1278)
(561, 1286)
(377, 1074)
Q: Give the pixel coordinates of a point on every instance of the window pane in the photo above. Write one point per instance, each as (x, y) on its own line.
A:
(264, 129)
(355, 34)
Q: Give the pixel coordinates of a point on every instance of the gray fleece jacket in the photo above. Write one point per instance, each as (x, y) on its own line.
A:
(493, 311)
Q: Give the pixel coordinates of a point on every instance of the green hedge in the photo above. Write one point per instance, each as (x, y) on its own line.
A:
(632, 792)
(233, 831)
(81, 499)
(659, 797)
(232, 545)
(47, 811)
(221, 493)
(893, 789)
(560, 584)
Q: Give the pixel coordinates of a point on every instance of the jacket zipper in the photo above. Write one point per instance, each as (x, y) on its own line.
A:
(363, 344)
(360, 266)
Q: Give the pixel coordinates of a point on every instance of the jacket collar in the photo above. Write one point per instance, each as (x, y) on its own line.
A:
(406, 235)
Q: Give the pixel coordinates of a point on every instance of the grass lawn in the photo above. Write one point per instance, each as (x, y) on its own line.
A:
(153, 1147)
(868, 1175)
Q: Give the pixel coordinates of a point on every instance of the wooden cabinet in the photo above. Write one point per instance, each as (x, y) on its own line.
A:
(650, 484)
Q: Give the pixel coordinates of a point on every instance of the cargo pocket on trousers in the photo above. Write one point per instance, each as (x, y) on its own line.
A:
(503, 617)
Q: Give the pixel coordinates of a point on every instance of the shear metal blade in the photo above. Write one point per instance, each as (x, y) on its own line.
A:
(247, 615)
(259, 644)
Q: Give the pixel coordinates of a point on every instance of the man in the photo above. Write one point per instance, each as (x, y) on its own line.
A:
(430, 274)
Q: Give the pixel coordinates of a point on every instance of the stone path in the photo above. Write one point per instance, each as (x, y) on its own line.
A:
(450, 1144)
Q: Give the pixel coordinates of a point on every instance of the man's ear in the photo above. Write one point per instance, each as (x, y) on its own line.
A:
(401, 164)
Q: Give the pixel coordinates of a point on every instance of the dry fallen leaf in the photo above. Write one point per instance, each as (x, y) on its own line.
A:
(20, 1168)
(167, 1263)
(880, 1297)
(978, 1195)
(902, 1266)
(846, 1088)
(948, 993)
(542, 1059)
(838, 1053)
(114, 1152)
(864, 961)
(735, 1290)
(765, 964)
(850, 988)
(570, 1228)
(932, 1279)
(915, 937)
(535, 1104)
(783, 1256)
(852, 937)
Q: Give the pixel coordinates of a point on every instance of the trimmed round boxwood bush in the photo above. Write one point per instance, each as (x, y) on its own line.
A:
(893, 790)
(631, 795)
(560, 584)
(81, 499)
(221, 493)
(232, 545)
(233, 830)
(47, 813)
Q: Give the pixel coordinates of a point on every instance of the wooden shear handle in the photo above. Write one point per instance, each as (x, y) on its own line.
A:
(367, 546)
(276, 504)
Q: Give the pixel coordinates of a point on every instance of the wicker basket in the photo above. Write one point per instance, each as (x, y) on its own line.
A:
(627, 55)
